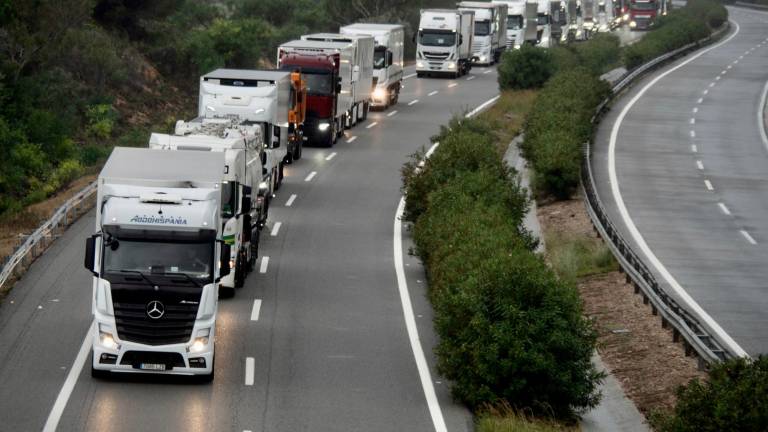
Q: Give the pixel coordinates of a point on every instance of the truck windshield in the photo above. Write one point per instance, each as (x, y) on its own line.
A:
(514, 22)
(319, 83)
(542, 19)
(437, 38)
(380, 58)
(482, 28)
(644, 6)
(194, 259)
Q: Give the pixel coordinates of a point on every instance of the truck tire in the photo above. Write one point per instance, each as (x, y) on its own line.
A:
(297, 151)
(254, 250)
(240, 270)
(366, 108)
(226, 292)
(280, 175)
(419, 75)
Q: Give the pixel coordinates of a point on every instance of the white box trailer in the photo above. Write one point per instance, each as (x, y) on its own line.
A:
(362, 69)
(490, 36)
(244, 191)
(544, 24)
(157, 260)
(531, 23)
(257, 96)
(444, 42)
(515, 35)
(388, 61)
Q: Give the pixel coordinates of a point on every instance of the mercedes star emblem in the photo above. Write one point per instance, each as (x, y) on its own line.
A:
(155, 309)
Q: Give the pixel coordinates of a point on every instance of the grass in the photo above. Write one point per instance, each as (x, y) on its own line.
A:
(506, 419)
(575, 256)
(508, 114)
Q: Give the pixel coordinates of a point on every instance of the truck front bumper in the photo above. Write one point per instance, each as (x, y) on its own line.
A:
(437, 66)
(130, 357)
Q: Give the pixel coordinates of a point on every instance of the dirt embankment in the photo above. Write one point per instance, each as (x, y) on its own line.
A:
(632, 343)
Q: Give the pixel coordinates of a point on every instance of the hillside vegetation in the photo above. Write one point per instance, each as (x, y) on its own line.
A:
(80, 76)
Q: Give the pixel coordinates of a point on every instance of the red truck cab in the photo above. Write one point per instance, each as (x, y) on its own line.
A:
(643, 14)
(322, 125)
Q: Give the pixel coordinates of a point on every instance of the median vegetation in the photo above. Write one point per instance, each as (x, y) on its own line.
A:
(559, 122)
(511, 332)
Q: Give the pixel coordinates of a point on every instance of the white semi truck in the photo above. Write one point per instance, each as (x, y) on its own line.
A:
(244, 155)
(544, 24)
(490, 38)
(388, 60)
(515, 22)
(605, 17)
(363, 47)
(266, 97)
(444, 42)
(157, 257)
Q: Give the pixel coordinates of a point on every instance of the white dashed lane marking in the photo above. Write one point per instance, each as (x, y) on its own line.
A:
(330, 156)
(290, 201)
(310, 176)
(413, 102)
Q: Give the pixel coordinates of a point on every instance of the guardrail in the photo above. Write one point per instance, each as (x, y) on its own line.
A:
(697, 339)
(37, 242)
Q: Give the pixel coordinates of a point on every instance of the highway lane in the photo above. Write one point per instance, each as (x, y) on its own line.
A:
(691, 173)
(328, 342)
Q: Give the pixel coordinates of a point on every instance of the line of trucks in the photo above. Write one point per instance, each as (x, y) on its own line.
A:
(178, 223)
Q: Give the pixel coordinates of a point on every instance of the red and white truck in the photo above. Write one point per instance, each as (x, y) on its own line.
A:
(643, 13)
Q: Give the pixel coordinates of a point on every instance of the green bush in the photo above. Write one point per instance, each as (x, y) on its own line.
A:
(525, 68)
(600, 54)
(734, 398)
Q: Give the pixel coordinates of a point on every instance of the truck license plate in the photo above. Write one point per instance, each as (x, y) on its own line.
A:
(152, 366)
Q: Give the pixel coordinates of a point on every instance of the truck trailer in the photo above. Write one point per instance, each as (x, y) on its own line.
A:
(328, 69)
(444, 42)
(274, 99)
(544, 24)
(157, 257)
(363, 47)
(245, 206)
(388, 60)
(515, 22)
(490, 36)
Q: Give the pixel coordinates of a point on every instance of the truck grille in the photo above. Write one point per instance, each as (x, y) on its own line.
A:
(477, 46)
(436, 56)
(173, 327)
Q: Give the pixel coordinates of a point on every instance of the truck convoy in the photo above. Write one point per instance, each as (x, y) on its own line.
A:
(243, 212)
(157, 257)
(444, 42)
(388, 60)
(273, 99)
(332, 71)
(490, 36)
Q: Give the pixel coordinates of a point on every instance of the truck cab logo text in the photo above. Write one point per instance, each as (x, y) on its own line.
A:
(159, 220)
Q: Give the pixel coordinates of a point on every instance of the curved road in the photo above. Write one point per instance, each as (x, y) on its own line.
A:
(689, 181)
(323, 322)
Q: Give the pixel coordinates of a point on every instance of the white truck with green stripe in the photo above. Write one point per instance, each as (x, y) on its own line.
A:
(244, 201)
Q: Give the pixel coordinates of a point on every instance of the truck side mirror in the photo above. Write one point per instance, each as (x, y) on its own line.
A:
(247, 231)
(90, 254)
(414, 36)
(246, 200)
(226, 252)
(461, 39)
(276, 134)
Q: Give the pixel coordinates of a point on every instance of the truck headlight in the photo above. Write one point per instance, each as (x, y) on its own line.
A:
(632, 24)
(379, 93)
(626, 17)
(322, 127)
(201, 341)
(421, 64)
(483, 59)
(106, 338)
(450, 65)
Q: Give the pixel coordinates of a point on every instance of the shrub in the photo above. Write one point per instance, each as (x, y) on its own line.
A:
(101, 120)
(525, 68)
(600, 54)
(734, 398)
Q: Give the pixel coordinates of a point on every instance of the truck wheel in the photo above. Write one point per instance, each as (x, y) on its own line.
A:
(226, 292)
(419, 75)
(240, 270)
(280, 175)
(297, 151)
(254, 250)
(366, 108)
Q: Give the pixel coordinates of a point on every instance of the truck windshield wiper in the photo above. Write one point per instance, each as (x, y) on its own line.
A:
(189, 278)
(143, 276)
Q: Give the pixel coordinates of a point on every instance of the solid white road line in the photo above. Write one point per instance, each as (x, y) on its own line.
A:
(276, 229)
(683, 295)
(699, 165)
(409, 76)
(760, 118)
(410, 324)
(392, 113)
(69, 384)
(256, 310)
(351, 139)
(432, 93)
(748, 237)
(250, 365)
(471, 78)
(413, 102)
(724, 209)
(371, 125)
(330, 156)
(484, 105)
(310, 176)
(264, 264)
(290, 201)
(709, 186)
(452, 85)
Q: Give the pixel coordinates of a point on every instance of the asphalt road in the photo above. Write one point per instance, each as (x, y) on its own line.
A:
(690, 185)
(323, 323)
